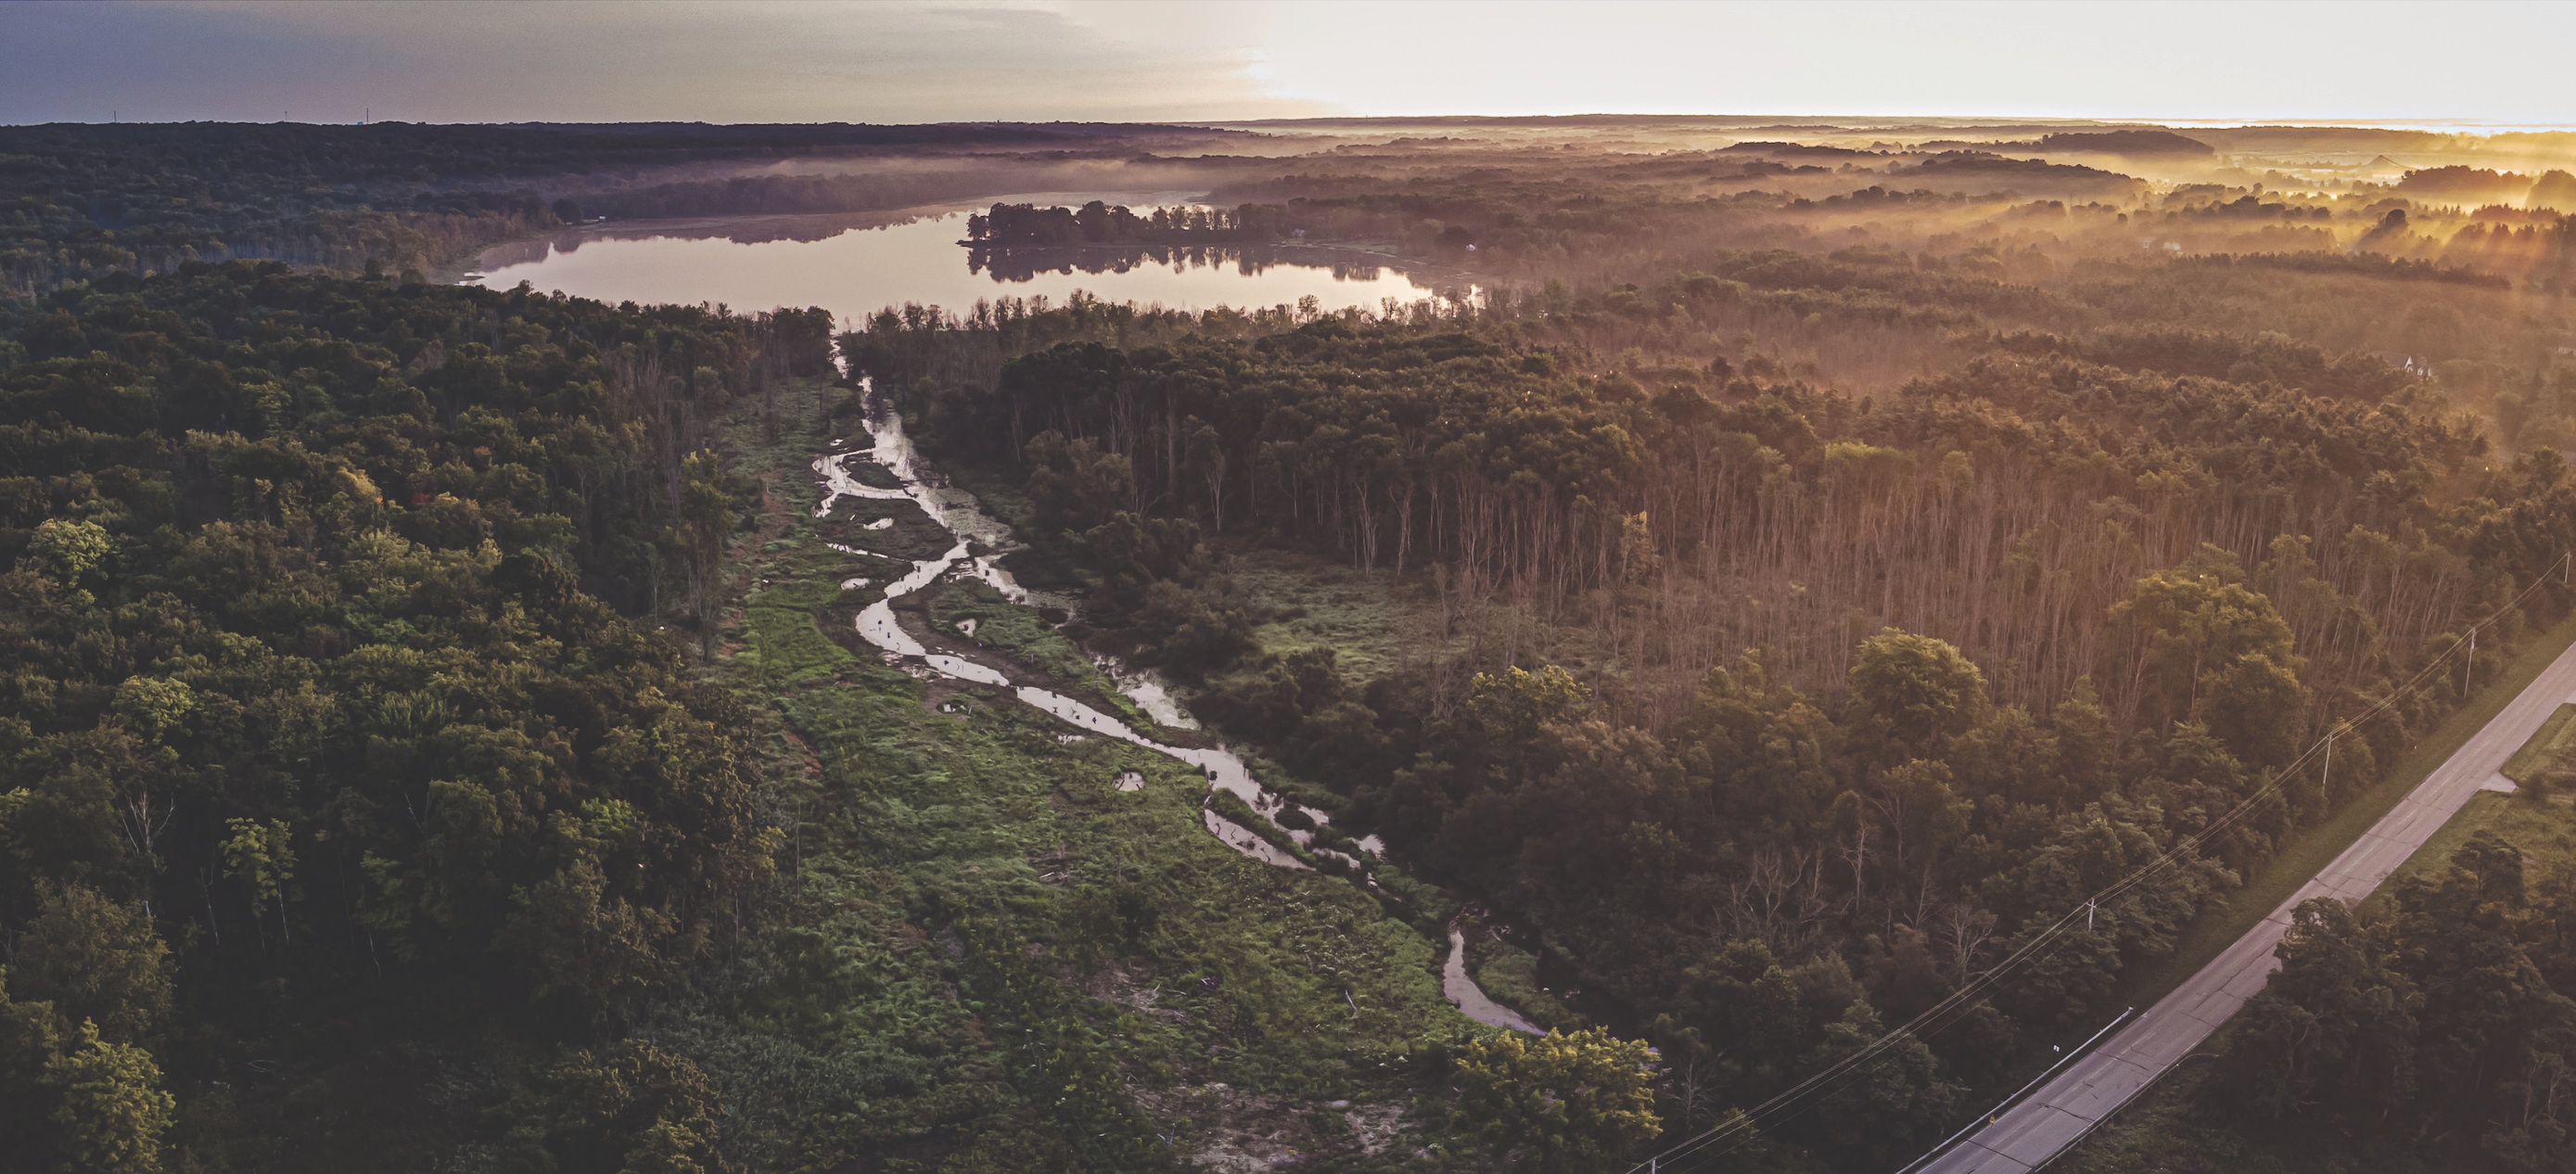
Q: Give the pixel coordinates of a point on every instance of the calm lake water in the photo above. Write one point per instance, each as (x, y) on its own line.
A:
(855, 264)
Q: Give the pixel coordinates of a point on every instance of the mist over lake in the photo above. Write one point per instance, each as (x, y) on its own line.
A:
(856, 264)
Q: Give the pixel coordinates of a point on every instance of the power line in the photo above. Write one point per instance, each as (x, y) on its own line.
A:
(1739, 1127)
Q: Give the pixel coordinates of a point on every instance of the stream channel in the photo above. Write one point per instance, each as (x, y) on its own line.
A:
(957, 511)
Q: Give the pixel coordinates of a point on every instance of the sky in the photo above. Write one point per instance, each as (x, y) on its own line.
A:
(2473, 63)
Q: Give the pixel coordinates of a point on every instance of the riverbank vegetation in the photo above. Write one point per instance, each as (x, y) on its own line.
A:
(339, 782)
(1650, 789)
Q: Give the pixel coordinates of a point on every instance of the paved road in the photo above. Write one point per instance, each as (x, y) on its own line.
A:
(2056, 1115)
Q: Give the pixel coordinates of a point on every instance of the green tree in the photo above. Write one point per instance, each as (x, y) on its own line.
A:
(1761, 748)
(1884, 1108)
(1563, 1102)
(113, 1111)
(586, 942)
(1512, 706)
(1739, 1008)
(2085, 742)
(2335, 1023)
(69, 549)
(262, 857)
(1910, 695)
(30, 1044)
(2257, 706)
(2207, 643)
(2084, 853)
(629, 1108)
(1924, 818)
(706, 519)
(2201, 780)
(1076, 485)
(2457, 934)
(156, 705)
(97, 960)
(2010, 757)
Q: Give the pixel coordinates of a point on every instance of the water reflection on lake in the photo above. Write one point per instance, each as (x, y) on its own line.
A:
(856, 264)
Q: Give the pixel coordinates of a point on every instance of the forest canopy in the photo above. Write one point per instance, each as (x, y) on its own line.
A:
(301, 658)
(1747, 619)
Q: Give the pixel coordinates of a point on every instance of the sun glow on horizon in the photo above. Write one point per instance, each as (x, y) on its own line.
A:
(1121, 60)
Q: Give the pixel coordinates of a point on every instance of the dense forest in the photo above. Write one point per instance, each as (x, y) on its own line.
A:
(398, 722)
(2014, 630)
(2444, 1010)
(1818, 620)
(313, 729)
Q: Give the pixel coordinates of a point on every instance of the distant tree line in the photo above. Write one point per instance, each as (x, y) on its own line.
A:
(136, 198)
(1098, 223)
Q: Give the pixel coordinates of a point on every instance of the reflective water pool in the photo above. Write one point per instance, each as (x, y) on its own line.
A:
(856, 264)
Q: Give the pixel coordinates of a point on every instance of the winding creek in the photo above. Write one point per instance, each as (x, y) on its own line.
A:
(957, 512)
(1470, 998)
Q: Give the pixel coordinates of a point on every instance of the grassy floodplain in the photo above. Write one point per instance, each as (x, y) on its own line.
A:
(950, 847)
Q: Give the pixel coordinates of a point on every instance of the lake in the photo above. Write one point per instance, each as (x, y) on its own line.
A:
(856, 264)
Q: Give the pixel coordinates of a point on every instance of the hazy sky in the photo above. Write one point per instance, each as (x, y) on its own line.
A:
(751, 61)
